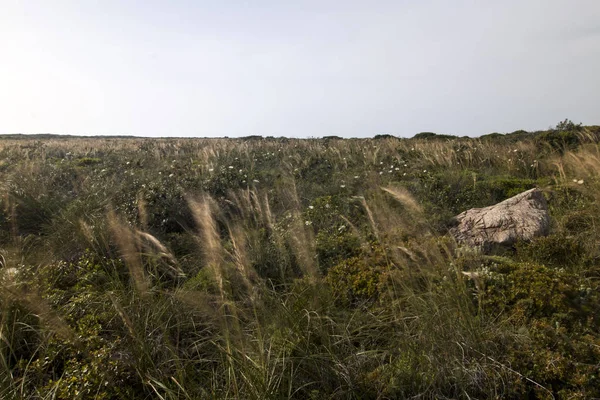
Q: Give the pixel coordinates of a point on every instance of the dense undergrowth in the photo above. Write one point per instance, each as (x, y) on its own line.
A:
(281, 268)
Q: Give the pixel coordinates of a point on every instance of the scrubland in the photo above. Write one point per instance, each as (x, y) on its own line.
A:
(270, 268)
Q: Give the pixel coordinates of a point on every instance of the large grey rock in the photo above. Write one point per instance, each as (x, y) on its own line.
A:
(522, 217)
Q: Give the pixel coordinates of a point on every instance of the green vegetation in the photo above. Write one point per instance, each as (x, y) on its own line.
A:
(270, 268)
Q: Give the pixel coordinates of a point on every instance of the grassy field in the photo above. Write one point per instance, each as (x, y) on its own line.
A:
(285, 268)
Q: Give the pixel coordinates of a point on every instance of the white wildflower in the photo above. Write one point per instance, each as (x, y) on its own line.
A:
(580, 181)
(10, 273)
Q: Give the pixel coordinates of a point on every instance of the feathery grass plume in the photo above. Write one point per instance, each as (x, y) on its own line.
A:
(154, 247)
(87, 232)
(584, 162)
(248, 206)
(275, 235)
(405, 235)
(124, 317)
(210, 242)
(302, 239)
(163, 251)
(405, 198)
(268, 215)
(142, 210)
(127, 242)
(438, 153)
(356, 232)
(96, 235)
(562, 176)
(257, 206)
(209, 239)
(238, 204)
(241, 261)
(10, 209)
(586, 135)
(372, 222)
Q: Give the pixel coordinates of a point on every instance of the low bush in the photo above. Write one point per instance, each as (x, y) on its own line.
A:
(556, 312)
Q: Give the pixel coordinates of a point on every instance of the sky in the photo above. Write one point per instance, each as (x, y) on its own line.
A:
(297, 68)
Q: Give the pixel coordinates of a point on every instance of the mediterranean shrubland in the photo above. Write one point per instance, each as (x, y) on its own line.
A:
(269, 268)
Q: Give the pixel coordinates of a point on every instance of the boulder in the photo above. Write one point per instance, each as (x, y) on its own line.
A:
(522, 217)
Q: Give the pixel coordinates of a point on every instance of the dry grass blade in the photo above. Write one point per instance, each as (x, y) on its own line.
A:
(242, 263)
(161, 251)
(209, 239)
(127, 242)
(404, 197)
(374, 227)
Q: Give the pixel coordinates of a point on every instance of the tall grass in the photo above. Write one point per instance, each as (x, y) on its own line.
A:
(233, 299)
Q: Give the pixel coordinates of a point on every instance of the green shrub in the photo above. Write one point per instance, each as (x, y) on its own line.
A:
(557, 251)
(335, 247)
(433, 136)
(556, 311)
(565, 136)
(88, 161)
(564, 200)
(357, 279)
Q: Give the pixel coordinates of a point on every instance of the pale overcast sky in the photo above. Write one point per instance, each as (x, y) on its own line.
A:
(297, 68)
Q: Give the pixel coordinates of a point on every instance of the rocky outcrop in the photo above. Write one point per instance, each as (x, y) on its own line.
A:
(522, 217)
